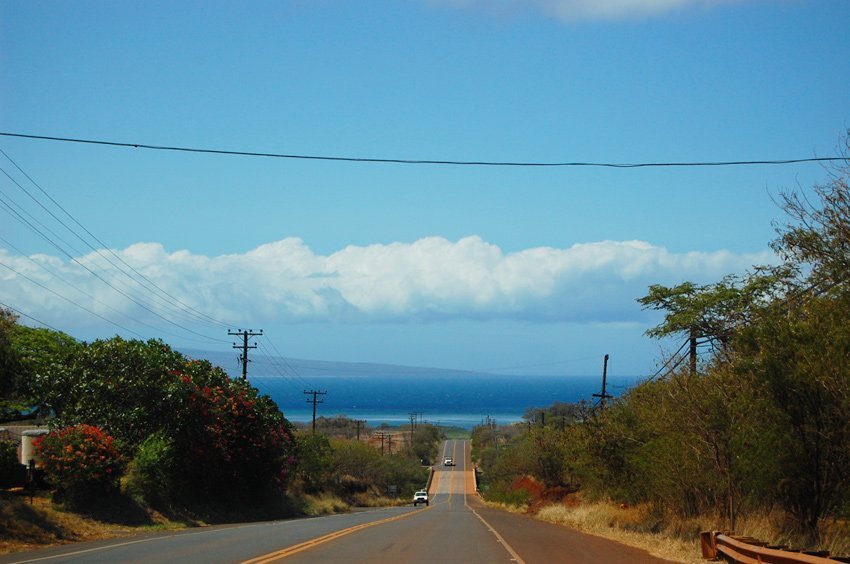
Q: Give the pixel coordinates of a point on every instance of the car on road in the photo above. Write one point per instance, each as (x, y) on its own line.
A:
(447, 461)
(420, 497)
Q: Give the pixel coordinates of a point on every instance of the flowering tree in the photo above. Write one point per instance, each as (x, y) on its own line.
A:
(230, 437)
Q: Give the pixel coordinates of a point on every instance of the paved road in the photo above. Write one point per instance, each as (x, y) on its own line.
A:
(455, 527)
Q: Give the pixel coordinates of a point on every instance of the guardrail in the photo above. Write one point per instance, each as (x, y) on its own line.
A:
(749, 550)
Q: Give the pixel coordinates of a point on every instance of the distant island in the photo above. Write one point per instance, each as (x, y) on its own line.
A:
(264, 365)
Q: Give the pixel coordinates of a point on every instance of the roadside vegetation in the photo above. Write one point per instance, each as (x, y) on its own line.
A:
(752, 435)
(143, 436)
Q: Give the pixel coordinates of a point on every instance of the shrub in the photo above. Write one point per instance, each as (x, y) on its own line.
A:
(149, 474)
(80, 461)
(228, 438)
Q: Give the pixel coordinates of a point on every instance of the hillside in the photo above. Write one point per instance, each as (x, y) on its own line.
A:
(264, 365)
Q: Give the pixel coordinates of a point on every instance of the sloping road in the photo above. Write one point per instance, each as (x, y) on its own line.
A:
(455, 527)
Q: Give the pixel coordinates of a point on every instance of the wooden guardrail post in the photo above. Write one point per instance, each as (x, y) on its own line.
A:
(708, 544)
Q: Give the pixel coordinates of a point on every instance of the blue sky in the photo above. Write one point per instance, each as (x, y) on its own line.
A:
(532, 270)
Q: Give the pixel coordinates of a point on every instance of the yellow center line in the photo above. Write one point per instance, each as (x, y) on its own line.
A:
(452, 470)
(296, 548)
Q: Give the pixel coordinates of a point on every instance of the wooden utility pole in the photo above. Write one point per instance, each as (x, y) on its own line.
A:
(693, 351)
(604, 395)
(358, 421)
(243, 358)
(381, 435)
(412, 427)
(314, 401)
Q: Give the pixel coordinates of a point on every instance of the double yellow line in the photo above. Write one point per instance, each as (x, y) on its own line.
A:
(296, 548)
(306, 545)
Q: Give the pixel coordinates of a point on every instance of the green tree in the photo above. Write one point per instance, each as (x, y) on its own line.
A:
(315, 462)
(225, 438)
(799, 355)
(713, 311)
(11, 369)
(130, 388)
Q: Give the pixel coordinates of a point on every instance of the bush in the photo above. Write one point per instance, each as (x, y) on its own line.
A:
(226, 439)
(80, 461)
(150, 473)
(229, 439)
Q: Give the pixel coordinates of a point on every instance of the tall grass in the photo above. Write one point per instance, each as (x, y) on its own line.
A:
(323, 504)
(677, 538)
(636, 526)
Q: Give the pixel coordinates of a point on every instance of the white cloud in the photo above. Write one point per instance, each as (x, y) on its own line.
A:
(429, 279)
(581, 10)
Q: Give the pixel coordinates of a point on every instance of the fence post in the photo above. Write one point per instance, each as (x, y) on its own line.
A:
(708, 544)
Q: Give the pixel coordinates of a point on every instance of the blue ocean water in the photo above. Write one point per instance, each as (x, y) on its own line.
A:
(456, 401)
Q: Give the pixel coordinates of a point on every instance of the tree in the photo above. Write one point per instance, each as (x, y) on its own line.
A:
(10, 362)
(818, 234)
(315, 461)
(130, 388)
(714, 311)
(222, 436)
(799, 355)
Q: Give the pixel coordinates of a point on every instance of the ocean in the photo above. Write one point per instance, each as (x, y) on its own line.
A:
(446, 400)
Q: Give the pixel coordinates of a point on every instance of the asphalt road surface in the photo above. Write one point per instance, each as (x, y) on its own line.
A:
(455, 527)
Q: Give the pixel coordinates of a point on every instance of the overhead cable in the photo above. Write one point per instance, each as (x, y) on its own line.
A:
(69, 300)
(384, 160)
(22, 314)
(145, 282)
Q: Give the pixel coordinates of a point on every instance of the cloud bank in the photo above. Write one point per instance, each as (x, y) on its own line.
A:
(582, 10)
(431, 279)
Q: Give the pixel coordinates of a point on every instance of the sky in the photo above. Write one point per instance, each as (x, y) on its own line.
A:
(507, 269)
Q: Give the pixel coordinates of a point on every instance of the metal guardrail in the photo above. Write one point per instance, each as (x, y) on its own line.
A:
(748, 550)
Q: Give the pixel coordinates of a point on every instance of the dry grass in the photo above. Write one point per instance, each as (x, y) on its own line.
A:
(26, 525)
(324, 504)
(632, 526)
(676, 538)
(777, 528)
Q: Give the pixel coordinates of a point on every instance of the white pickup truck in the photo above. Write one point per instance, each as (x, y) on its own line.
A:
(420, 497)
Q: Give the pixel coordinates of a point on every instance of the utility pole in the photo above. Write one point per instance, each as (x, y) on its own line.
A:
(412, 427)
(358, 421)
(243, 358)
(603, 395)
(382, 436)
(693, 350)
(314, 401)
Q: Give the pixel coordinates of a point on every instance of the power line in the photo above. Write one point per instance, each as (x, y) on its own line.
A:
(666, 364)
(70, 301)
(277, 367)
(282, 368)
(383, 160)
(140, 279)
(19, 312)
(105, 281)
(80, 290)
